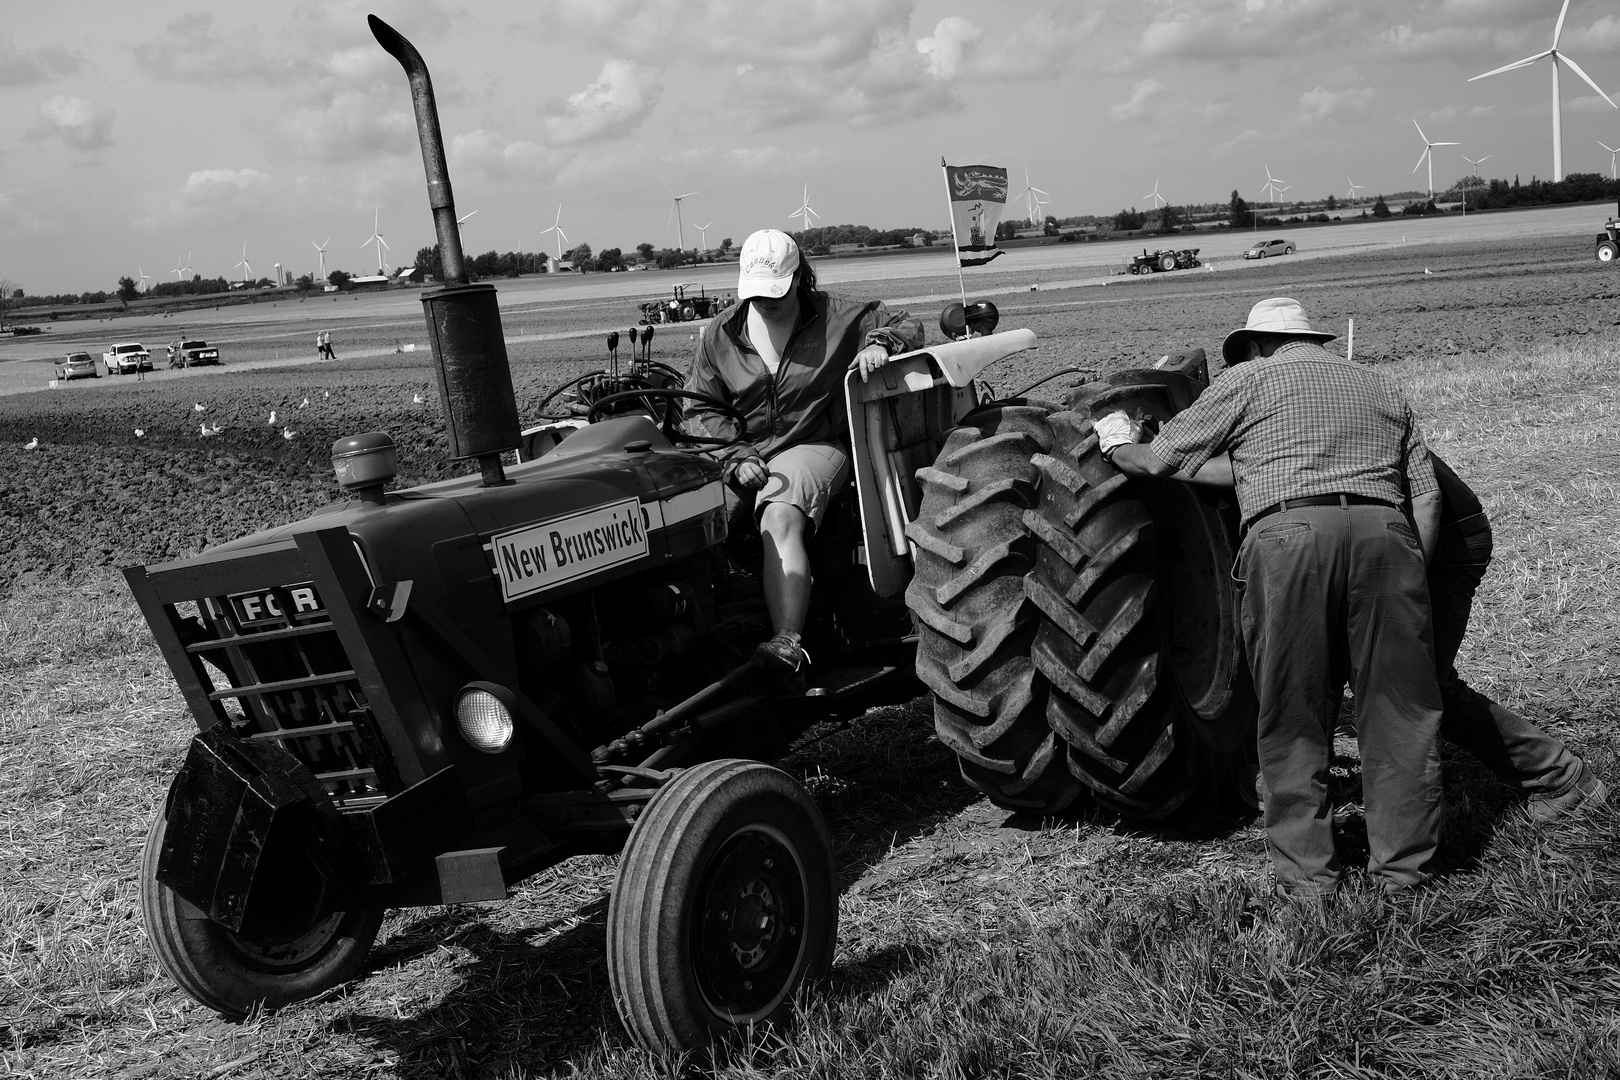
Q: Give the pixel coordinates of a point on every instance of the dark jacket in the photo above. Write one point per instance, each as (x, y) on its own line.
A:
(805, 401)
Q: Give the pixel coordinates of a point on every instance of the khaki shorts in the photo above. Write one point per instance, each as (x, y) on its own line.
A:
(806, 476)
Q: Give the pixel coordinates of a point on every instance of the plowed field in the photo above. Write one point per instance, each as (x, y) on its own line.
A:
(123, 473)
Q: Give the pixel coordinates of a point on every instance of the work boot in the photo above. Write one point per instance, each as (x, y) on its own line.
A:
(782, 653)
(1586, 793)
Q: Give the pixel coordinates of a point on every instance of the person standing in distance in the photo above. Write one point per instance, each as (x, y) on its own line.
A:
(1323, 453)
(779, 356)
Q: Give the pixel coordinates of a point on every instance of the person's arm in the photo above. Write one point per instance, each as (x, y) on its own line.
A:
(704, 378)
(896, 330)
(1139, 460)
(1426, 516)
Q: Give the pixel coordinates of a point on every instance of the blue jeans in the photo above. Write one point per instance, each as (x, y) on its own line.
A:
(1328, 591)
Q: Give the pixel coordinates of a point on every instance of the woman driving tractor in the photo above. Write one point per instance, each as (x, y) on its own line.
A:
(779, 356)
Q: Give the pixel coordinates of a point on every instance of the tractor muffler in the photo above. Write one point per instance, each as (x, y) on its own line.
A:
(464, 320)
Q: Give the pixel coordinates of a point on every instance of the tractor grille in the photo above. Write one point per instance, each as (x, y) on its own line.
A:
(275, 653)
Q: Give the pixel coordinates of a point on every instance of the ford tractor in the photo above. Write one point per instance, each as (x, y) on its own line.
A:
(427, 695)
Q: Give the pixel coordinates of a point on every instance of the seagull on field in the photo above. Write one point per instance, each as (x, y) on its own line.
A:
(199, 407)
(304, 404)
(326, 395)
(287, 433)
(272, 418)
(416, 399)
(31, 444)
(139, 432)
(1426, 270)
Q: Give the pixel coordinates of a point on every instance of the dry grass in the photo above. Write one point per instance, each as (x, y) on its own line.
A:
(972, 944)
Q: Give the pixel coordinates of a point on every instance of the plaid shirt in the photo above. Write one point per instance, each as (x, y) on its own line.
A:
(1302, 422)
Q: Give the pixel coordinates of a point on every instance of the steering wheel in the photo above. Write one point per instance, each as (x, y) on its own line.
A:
(540, 410)
(671, 431)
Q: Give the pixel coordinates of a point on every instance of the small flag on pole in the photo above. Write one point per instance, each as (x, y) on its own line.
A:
(978, 195)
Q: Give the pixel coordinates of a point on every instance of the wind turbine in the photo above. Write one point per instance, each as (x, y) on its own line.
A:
(376, 220)
(176, 271)
(1558, 117)
(321, 249)
(145, 277)
(1476, 165)
(1354, 187)
(1032, 200)
(186, 269)
(462, 220)
(1612, 153)
(1428, 155)
(804, 212)
(1160, 200)
(558, 229)
(703, 234)
(680, 230)
(1273, 184)
(247, 268)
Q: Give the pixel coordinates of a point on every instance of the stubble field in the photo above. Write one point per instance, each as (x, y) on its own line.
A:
(972, 944)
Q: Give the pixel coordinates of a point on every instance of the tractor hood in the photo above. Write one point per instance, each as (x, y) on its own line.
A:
(602, 504)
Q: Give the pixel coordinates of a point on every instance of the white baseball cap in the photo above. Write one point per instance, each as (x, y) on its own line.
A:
(769, 259)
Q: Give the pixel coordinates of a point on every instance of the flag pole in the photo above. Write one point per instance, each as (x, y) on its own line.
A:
(956, 251)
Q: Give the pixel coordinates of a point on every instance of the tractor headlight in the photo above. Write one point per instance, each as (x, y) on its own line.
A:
(484, 715)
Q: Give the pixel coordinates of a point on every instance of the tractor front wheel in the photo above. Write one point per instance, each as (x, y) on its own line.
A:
(234, 976)
(725, 905)
(1607, 251)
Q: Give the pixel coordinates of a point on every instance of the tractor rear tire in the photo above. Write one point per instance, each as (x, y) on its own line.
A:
(973, 550)
(1139, 637)
(1167, 261)
(1607, 251)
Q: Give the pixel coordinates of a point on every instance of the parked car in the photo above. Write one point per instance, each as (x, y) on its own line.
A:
(1270, 247)
(126, 357)
(77, 365)
(191, 352)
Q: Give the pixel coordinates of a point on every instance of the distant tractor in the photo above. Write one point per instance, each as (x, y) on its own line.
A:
(681, 307)
(1608, 241)
(1163, 259)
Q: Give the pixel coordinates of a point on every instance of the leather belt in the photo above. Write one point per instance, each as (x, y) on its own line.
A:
(1319, 500)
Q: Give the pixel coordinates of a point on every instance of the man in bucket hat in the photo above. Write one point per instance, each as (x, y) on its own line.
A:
(1323, 453)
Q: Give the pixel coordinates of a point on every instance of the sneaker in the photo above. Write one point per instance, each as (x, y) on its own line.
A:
(1586, 793)
(782, 653)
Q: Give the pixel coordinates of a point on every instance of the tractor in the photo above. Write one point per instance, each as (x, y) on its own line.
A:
(682, 307)
(1608, 241)
(1163, 259)
(426, 696)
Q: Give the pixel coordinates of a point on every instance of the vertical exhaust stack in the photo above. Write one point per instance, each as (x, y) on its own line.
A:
(464, 320)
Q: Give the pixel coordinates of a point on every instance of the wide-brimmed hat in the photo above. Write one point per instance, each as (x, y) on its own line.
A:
(765, 267)
(1280, 315)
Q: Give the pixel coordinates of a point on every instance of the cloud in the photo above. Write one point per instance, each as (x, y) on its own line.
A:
(24, 67)
(1236, 142)
(190, 49)
(1481, 111)
(615, 104)
(1259, 28)
(77, 122)
(944, 49)
(350, 125)
(1321, 103)
(491, 155)
(1136, 106)
(1589, 104)
(1601, 36)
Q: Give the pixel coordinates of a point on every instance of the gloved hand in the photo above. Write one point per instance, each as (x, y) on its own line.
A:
(1115, 430)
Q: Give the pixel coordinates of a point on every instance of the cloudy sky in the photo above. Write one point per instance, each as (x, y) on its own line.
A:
(134, 135)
